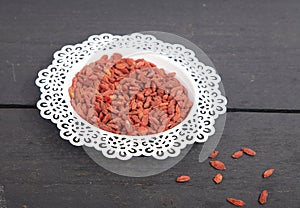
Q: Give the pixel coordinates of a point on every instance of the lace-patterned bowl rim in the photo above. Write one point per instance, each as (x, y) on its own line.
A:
(79, 132)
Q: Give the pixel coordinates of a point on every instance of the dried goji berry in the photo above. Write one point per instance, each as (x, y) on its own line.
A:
(236, 202)
(237, 154)
(268, 173)
(218, 178)
(71, 92)
(217, 165)
(183, 178)
(214, 154)
(248, 151)
(263, 197)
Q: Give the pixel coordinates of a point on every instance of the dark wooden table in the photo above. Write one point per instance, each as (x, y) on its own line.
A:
(255, 46)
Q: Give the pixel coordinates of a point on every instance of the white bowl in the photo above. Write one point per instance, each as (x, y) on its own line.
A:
(200, 81)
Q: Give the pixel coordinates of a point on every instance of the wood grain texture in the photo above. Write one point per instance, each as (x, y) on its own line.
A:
(254, 45)
(38, 169)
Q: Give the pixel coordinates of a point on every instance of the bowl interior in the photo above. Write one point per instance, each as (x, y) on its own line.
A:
(161, 61)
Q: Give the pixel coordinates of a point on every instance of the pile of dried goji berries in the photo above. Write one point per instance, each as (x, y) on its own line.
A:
(218, 165)
(129, 97)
